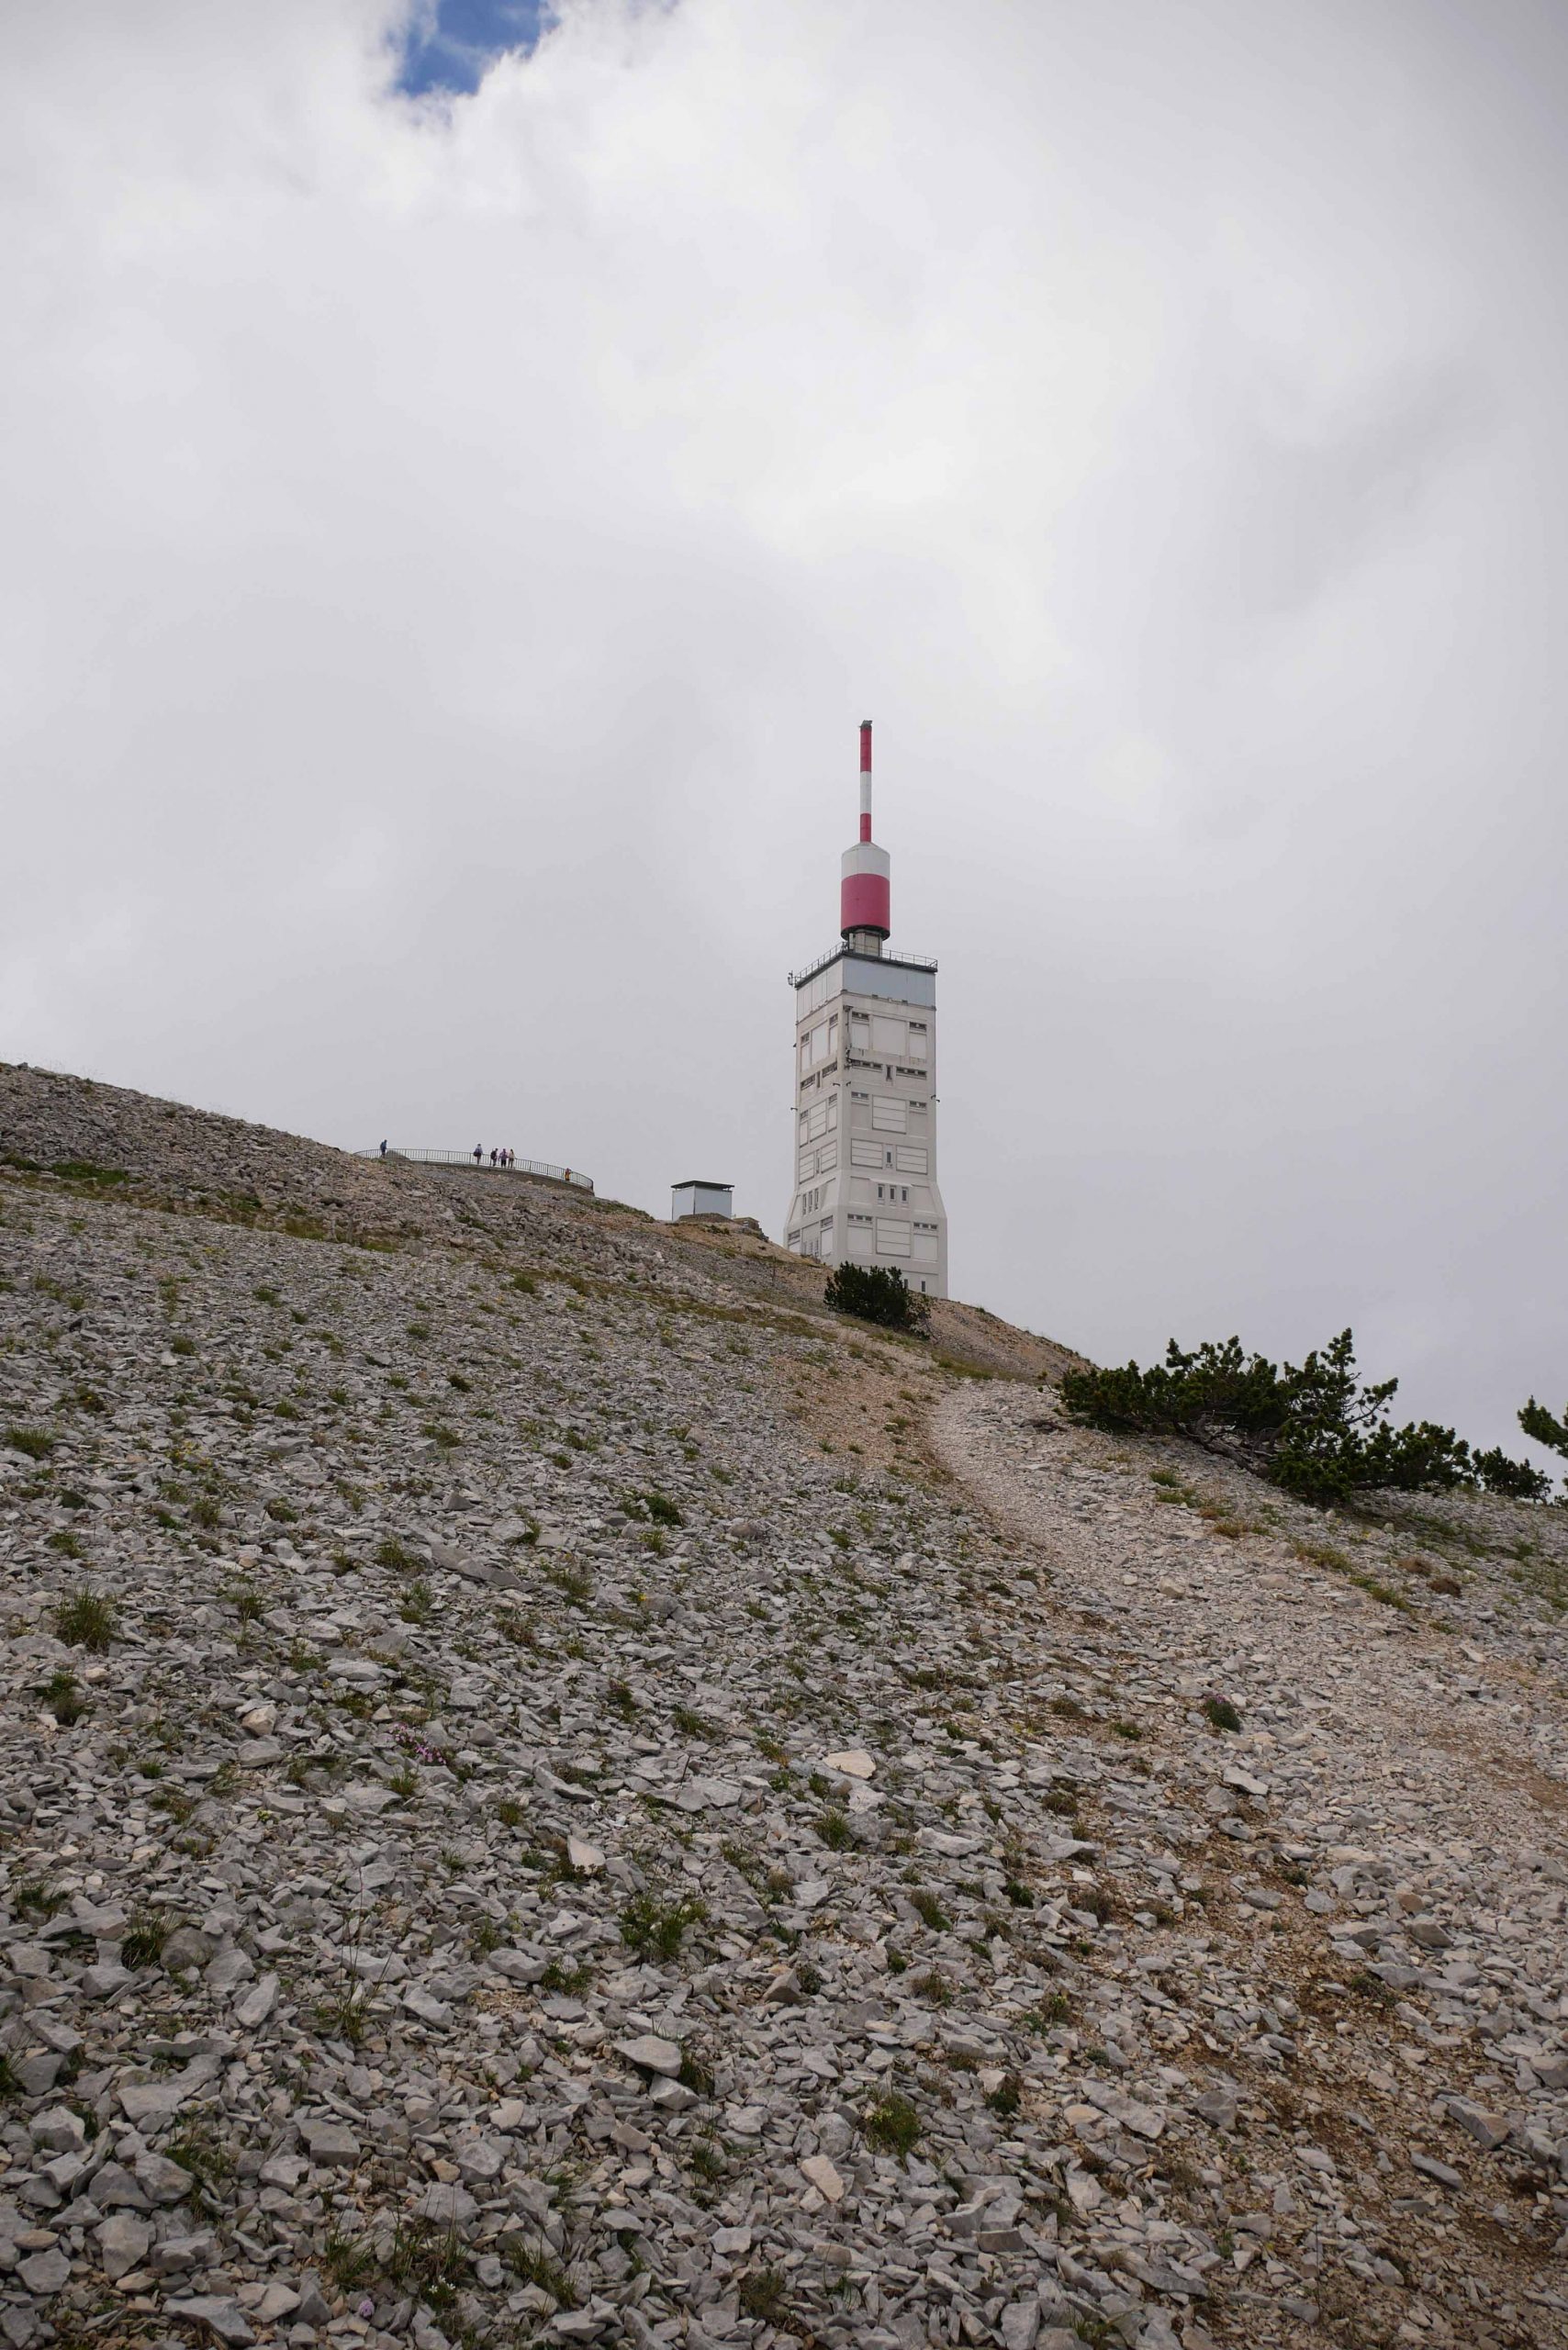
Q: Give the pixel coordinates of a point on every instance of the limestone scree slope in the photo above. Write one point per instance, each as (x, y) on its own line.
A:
(551, 1790)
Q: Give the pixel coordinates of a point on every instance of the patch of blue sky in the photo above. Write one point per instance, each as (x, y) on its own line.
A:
(451, 46)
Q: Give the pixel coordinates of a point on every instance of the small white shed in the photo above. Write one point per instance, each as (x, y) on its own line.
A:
(696, 1198)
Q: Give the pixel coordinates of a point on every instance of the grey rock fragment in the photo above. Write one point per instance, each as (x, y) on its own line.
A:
(160, 2180)
(186, 1946)
(1487, 2128)
(331, 2142)
(651, 2054)
(447, 2204)
(218, 2313)
(44, 2272)
(123, 2242)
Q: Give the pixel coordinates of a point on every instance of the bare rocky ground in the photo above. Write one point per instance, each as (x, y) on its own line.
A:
(551, 1790)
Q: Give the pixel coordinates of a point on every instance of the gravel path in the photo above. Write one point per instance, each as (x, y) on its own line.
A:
(1403, 1751)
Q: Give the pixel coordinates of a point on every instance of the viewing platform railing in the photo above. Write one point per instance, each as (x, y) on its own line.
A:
(573, 1175)
(832, 954)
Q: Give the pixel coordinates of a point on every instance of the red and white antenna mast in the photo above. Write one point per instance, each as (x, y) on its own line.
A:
(865, 890)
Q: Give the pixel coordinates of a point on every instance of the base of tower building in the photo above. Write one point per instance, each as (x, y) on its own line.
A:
(929, 1278)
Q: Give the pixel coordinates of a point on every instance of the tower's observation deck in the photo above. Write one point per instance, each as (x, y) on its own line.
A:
(866, 1188)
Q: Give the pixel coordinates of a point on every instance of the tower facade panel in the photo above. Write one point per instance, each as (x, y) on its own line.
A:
(866, 1188)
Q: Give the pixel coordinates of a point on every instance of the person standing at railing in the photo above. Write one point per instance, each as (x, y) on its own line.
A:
(478, 1153)
(384, 1150)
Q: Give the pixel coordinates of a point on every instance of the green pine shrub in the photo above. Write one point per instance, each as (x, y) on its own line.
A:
(879, 1293)
(1310, 1428)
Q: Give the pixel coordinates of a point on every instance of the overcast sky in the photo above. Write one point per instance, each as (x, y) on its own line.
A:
(449, 534)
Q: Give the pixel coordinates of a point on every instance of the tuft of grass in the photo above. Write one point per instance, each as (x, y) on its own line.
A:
(66, 1543)
(1322, 1554)
(926, 1905)
(934, 1985)
(1220, 1714)
(390, 1552)
(63, 1699)
(694, 2074)
(654, 1929)
(82, 1171)
(341, 2017)
(144, 1938)
(569, 1980)
(426, 2260)
(34, 1442)
(536, 2267)
(208, 2163)
(761, 2295)
(33, 1898)
(416, 1605)
(1007, 2097)
(85, 1621)
(835, 1829)
(347, 2260)
(892, 2125)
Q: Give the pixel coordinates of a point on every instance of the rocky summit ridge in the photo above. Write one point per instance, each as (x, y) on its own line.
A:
(552, 1790)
